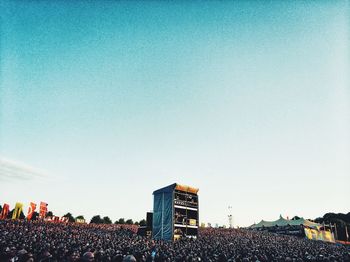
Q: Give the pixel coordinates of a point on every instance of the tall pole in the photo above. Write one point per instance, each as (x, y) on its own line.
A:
(335, 231)
(230, 219)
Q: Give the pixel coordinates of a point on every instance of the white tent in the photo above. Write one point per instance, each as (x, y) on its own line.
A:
(286, 222)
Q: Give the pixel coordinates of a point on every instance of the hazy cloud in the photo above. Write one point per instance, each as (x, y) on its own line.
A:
(12, 170)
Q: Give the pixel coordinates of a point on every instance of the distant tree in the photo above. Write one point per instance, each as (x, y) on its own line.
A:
(9, 215)
(295, 218)
(330, 216)
(21, 215)
(0, 208)
(70, 217)
(136, 223)
(107, 220)
(35, 216)
(49, 214)
(121, 221)
(80, 217)
(319, 220)
(129, 222)
(143, 223)
(339, 216)
(96, 220)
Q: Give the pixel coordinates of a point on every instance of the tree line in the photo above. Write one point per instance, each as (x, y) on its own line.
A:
(121, 221)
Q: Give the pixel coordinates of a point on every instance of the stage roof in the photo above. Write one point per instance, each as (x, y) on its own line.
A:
(176, 186)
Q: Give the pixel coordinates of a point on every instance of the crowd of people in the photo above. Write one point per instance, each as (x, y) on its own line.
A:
(44, 241)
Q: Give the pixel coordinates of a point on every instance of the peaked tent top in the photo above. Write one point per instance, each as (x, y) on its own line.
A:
(285, 222)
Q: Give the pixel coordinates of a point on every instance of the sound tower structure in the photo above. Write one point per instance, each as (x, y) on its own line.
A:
(149, 219)
(175, 212)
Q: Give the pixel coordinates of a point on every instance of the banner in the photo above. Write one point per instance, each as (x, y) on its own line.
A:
(80, 220)
(43, 210)
(55, 219)
(64, 219)
(5, 211)
(31, 210)
(17, 211)
(322, 235)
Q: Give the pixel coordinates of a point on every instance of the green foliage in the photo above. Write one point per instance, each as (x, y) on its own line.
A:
(107, 220)
(35, 216)
(9, 215)
(142, 222)
(96, 220)
(70, 217)
(332, 216)
(129, 222)
(21, 215)
(120, 221)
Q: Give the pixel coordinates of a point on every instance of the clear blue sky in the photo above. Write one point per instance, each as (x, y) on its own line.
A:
(247, 100)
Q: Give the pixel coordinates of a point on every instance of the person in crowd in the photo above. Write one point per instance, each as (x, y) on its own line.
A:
(88, 256)
(29, 241)
(129, 258)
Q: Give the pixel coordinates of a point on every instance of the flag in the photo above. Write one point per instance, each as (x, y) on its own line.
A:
(5, 211)
(17, 211)
(43, 210)
(64, 219)
(31, 210)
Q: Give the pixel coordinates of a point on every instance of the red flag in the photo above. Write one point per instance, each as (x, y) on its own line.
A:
(31, 210)
(64, 219)
(43, 210)
(5, 211)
